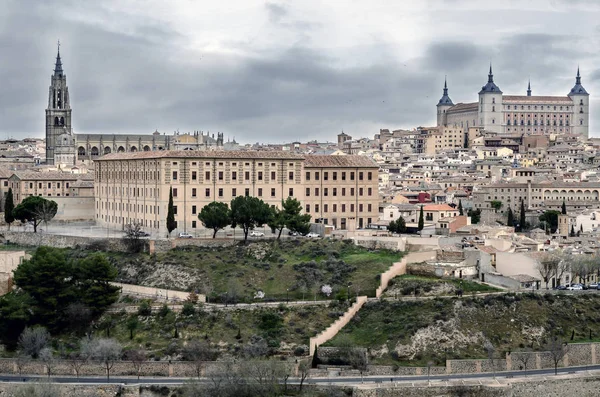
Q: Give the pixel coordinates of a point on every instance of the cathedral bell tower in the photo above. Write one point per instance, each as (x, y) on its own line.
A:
(60, 146)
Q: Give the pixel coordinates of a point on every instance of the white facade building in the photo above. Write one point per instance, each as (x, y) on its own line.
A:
(524, 114)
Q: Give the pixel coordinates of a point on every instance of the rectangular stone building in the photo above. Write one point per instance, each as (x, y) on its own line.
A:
(134, 187)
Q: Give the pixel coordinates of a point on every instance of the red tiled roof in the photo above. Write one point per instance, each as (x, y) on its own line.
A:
(439, 207)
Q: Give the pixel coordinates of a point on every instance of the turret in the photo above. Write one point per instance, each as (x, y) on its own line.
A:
(581, 108)
(490, 106)
(443, 105)
(529, 88)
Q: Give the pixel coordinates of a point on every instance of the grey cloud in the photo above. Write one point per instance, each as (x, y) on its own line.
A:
(146, 80)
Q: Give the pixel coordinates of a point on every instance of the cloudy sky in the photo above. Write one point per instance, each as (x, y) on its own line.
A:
(268, 71)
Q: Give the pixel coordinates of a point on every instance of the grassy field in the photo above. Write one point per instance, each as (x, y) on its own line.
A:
(294, 269)
(283, 328)
(413, 333)
(407, 284)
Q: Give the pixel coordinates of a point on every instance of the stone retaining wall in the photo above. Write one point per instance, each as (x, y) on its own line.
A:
(112, 244)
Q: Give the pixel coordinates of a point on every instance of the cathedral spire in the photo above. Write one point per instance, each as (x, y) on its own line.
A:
(445, 86)
(529, 88)
(578, 78)
(58, 71)
(491, 75)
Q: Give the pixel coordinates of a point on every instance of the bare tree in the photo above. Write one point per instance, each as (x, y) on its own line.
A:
(21, 361)
(76, 361)
(523, 357)
(303, 370)
(197, 353)
(137, 358)
(45, 212)
(490, 350)
(557, 350)
(47, 358)
(547, 266)
(357, 359)
(133, 237)
(33, 340)
(105, 350)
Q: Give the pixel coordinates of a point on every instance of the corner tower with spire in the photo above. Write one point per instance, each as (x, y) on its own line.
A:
(443, 105)
(60, 146)
(491, 116)
(581, 102)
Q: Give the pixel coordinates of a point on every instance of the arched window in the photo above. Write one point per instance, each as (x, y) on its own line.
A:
(146, 148)
(133, 149)
(121, 149)
(62, 121)
(493, 100)
(81, 151)
(94, 151)
(56, 121)
(107, 150)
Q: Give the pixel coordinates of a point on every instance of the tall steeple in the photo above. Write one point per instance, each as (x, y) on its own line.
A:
(445, 99)
(578, 88)
(60, 147)
(490, 86)
(58, 71)
(529, 88)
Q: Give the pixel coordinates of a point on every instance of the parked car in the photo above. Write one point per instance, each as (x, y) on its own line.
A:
(575, 287)
(313, 235)
(255, 233)
(185, 235)
(593, 286)
(290, 233)
(561, 287)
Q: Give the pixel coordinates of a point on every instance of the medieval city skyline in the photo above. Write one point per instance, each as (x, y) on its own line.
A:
(163, 75)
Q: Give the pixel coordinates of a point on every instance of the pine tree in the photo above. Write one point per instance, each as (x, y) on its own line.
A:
(392, 226)
(171, 223)
(572, 231)
(510, 218)
(564, 208)
(460, 208)
(9, 208)
(421, 220)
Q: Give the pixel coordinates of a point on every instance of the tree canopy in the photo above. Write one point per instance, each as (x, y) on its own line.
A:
(421, 219)
(215, 216)
(460, 208)
(290, 216)
(52, 283)
(248, 212)
(35, 210)
(550, 217)
(475, 215)
(510, 217)
(397, 226)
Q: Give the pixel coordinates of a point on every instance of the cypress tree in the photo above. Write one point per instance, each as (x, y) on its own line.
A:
(9, 208)
(171, 224)
(572, 231)
(510, 220)
(522, 221)
(564, 208)
(421, 220)
(460, 208)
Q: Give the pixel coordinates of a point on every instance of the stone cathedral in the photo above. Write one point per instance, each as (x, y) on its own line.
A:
(65, 147)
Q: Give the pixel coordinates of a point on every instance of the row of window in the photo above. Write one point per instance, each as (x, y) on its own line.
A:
(49, 184)
(334, 208)
(334, 191)
(334, 175)
(535, 122)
